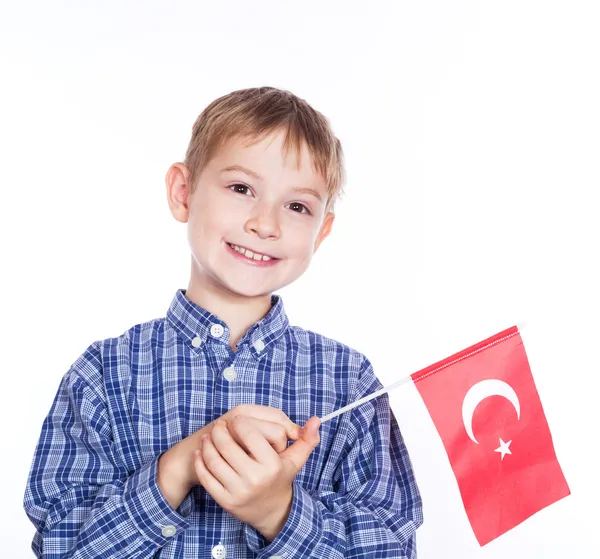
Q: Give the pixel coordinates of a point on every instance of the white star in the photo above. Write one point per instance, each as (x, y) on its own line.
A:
(503, 448)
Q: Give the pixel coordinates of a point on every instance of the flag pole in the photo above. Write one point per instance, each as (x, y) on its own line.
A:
(365, 399)
(383, 390)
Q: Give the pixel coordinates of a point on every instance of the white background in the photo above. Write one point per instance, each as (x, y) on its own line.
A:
(472, 135)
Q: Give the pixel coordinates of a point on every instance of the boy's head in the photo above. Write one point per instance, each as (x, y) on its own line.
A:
(258, 112)
(262, 172)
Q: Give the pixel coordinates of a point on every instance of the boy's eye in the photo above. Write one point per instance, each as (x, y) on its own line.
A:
(297, 207)
(241, 189)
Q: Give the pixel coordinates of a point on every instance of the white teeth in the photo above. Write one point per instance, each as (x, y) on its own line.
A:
(249, 254)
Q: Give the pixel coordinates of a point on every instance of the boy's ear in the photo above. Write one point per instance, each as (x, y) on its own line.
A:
(178, 186)
(325, 229)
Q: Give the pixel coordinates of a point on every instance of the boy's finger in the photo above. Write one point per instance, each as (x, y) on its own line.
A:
(273, 432)
(206, 478)
(267, 413)
(217, 465)
(310, 431)
(252, 439)
(228, 448)
(297, 454)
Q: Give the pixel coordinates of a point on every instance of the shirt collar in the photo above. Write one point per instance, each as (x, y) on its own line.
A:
(198, 326)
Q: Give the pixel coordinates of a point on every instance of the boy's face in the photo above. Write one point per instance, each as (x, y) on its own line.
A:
(256, 217)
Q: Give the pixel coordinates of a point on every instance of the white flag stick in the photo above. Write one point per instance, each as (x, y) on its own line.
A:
(381, 391)
(365, 399)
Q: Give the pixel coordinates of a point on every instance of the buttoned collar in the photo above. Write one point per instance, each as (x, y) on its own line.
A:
(197, 326)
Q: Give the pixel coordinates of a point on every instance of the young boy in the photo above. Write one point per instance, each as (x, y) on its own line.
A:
(182, 437)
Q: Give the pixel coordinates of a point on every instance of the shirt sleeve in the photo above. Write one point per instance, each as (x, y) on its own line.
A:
(371, 507)
(83, 503)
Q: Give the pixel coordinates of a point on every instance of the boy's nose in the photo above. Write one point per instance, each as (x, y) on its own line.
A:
(264, 224)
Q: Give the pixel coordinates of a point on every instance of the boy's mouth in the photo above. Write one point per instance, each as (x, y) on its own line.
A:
(250, 254)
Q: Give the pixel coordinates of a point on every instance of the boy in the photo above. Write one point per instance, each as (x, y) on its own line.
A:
(181, 437)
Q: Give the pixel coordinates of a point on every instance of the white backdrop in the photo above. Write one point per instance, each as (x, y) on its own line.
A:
(471, 132)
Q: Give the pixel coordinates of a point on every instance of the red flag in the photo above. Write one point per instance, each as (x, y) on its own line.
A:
(486, 409)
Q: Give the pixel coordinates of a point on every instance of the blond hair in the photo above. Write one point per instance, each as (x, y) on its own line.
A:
(256, 112)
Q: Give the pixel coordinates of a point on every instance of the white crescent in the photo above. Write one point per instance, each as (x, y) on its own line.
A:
(481, 391)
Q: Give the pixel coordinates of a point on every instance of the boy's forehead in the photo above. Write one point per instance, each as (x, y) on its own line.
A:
(267, 153)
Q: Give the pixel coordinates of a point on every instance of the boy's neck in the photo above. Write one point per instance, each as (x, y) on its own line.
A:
(238, 312)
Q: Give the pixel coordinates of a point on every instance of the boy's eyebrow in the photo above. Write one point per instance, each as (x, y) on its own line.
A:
(243, 170)
(308, 191)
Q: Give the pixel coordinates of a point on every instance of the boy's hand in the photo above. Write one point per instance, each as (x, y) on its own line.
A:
(256, 488)
(274, 425)
(176, 473)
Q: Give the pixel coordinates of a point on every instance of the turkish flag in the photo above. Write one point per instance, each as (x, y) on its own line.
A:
(486, 409)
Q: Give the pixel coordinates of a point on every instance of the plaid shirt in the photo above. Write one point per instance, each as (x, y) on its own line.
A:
(92, 489)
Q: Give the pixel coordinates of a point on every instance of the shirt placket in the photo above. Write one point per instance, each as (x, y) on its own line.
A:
(225, 374)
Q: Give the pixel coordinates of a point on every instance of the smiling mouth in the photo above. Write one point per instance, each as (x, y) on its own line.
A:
(250, 254)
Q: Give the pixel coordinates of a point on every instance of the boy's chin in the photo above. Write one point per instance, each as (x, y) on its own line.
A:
(251, 289)
(251, 292)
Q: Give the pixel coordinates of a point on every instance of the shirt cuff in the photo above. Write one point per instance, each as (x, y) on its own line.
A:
(148, 509)
(299, 535)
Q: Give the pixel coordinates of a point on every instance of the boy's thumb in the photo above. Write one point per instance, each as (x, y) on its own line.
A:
(299, 451)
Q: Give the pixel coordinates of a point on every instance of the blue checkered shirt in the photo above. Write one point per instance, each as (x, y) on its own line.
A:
(92, 489)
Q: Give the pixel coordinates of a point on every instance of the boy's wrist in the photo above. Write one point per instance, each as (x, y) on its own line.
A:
(173, 478)
(272, 524)
(178, 461)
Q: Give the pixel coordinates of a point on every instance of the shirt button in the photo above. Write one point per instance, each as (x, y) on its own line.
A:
(219, 551)
(216, 330)
(229, 373)
(259, 345)
(169, 531)
(197, 341)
